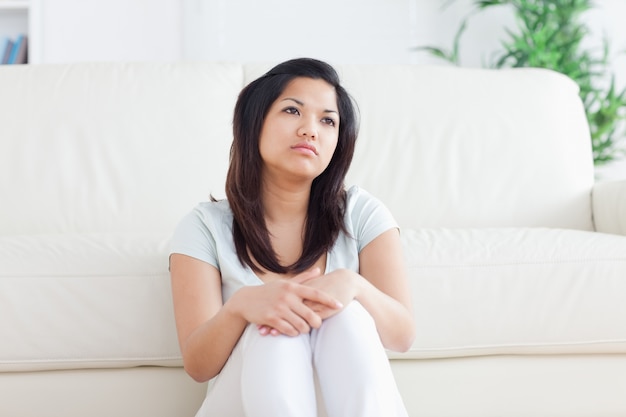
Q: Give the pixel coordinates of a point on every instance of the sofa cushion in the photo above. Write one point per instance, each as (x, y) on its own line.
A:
(516, 291)
(473, 148)
(104, 300)
(112, 147)
(85, 301)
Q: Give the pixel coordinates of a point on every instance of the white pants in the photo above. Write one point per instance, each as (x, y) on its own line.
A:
(270, 376)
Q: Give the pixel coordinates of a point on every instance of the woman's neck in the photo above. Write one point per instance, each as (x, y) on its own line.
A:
(285, 203)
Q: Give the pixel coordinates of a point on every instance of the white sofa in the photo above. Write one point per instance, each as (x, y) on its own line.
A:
(517, 259)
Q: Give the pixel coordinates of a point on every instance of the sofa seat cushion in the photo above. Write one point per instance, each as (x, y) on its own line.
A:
(516, 291)
(104, 300)
(85, 301)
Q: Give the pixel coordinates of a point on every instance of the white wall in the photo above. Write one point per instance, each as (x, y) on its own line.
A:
(109, 30)
(364, 31)
(355, 31)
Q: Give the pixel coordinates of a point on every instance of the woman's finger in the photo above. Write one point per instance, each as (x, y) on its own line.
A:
(311, 317)
(321, 310)
(318, 296)
(291, 325)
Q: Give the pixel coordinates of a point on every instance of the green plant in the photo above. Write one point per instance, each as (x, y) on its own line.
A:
(550, 34)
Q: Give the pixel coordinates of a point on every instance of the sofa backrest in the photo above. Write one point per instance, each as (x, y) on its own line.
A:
(133, 147)
(474, 147)
(112, 147)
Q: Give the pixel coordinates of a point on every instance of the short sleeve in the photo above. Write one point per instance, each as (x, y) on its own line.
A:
(369, 216)
(192, 237)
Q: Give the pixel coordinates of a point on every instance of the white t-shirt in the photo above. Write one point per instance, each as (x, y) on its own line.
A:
(206, 234)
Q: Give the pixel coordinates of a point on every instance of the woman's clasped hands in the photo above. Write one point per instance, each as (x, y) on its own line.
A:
(296, 305)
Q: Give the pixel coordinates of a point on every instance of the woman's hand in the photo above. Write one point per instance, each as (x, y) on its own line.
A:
(342, 284)
(279, 307)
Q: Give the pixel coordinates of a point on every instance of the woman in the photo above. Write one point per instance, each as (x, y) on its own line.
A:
(292, 278)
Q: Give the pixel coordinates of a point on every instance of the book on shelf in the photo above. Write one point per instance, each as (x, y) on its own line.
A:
(5, 50)
(19, 50)
(14, 52)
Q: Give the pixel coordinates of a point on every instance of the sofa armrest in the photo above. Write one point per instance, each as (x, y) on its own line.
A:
(608, 201)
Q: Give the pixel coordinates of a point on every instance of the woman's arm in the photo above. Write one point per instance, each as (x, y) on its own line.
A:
(381, 286)
(208, 331)
(385, 292)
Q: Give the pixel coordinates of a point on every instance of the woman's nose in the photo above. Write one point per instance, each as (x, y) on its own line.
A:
(308, 129)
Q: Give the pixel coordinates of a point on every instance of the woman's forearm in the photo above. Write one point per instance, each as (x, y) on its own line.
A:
(394, 321)
(208, 348)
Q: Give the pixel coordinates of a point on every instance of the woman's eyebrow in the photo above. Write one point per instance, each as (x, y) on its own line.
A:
(302, 104)
(294, 100)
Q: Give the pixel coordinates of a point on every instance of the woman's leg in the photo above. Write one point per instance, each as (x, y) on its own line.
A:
(352, 367)
(266, 376)
(277, 377)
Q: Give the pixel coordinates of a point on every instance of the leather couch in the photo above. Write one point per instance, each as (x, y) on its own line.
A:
(516, 255)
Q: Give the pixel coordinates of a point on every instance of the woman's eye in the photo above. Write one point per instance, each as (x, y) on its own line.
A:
(329, 121)
(292, 110)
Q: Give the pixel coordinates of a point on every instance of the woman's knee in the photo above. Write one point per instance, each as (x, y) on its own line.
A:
(354, 315)
(269, 347)
(353, 325)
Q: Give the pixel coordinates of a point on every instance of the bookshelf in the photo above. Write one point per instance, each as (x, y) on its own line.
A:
(22, 17)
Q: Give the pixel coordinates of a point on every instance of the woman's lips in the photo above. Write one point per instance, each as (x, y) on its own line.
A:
(305, 148)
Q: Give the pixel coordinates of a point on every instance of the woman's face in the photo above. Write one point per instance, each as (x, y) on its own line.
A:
(300, 132)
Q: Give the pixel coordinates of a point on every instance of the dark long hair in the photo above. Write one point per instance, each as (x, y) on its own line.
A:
(327, 202)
